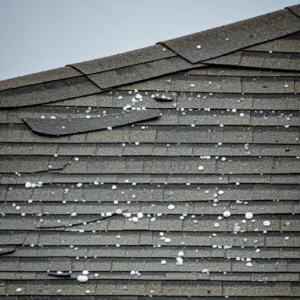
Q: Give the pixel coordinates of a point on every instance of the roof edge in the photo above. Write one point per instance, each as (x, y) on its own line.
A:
(222, 40)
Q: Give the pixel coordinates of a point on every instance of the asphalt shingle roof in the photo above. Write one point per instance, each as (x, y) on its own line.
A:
(201, 132)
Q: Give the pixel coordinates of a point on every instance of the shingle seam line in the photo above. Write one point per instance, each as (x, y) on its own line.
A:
(85, 76)
(292, 12)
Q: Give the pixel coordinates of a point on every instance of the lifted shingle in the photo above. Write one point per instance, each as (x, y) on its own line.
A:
(58, 127)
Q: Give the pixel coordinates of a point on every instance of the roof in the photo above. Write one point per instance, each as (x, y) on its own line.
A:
(166, 172)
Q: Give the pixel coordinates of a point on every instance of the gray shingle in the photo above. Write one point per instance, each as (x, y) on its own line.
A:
(32, 164)
(164, 84)
(58, 127)
(254, 31)
(189, 288)
(139, 72)
(130, 58)
(207, 84)
(268, 85)
(35, 78)
(216, 71)
(290, 43)
(47, 92)
(215, 100)
(262, 60)
(103, 99)
(272, 135)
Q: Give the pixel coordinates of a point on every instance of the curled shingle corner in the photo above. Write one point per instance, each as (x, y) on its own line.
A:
(59, 127)
(5, 251)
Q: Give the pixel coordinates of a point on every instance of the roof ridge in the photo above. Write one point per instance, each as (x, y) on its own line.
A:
(222, 40)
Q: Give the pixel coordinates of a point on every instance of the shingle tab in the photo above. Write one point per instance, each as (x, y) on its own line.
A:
(31, 164)
(287, 44)
(140, 72)
(47, 92)
(126, 59)
(35, 78)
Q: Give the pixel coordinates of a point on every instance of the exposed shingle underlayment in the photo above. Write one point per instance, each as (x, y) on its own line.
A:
(194, 194)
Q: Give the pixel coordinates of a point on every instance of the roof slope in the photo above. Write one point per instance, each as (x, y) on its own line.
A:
(140, 206)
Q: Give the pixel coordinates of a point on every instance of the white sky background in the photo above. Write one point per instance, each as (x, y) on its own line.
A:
(37, 35)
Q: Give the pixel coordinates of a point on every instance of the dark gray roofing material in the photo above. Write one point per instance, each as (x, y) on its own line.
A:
(58, 127)
(47, 92)
(41, 77)
(295, 9)
(144, 71)
(256, 59)
(140, 56)
(240, 123)
(215, 42)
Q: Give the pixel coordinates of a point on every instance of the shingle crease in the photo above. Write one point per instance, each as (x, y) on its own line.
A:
(80, 223)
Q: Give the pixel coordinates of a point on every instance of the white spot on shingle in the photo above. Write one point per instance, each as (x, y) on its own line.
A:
(200, 168)
(140, 215)
(249, 215)
(171, 206)
(28, 184)
(163, 262)
(82, 278)
(179, 261)
(266, 223)
(227, 213)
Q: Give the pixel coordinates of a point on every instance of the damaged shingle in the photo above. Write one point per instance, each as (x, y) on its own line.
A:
(32, 164)
(5, 251)
(58, 127)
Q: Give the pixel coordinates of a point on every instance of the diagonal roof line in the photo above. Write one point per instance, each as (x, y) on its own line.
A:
(220, 46)
(84, 75)
(223, 40)
(295, 9)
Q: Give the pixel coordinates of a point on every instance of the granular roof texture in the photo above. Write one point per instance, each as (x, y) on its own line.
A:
(168, 172)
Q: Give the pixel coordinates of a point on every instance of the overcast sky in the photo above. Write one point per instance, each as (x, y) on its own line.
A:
(37, 35)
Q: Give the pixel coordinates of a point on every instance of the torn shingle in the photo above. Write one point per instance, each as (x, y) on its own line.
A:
(31, 164)
(58, 127)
